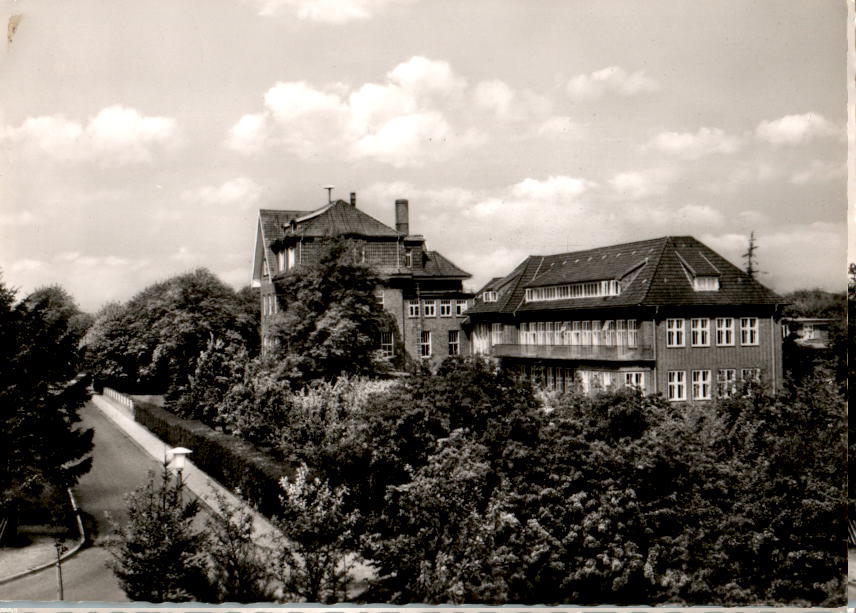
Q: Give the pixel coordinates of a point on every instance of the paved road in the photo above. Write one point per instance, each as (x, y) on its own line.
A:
(119, 466)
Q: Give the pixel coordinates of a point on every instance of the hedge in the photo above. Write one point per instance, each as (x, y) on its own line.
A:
(233, 462)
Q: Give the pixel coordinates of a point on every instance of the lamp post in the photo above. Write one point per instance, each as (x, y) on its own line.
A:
(179, 455)
(60, 549)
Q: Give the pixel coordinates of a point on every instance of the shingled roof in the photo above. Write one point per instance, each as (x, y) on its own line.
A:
(652, 272)
(340, 219)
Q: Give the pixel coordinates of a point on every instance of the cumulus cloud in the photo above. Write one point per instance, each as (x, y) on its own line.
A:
(239, 192)
(115, 136)
(699, 215)
(819, 172)
(795, 129)
(326, 11)
(636, 185)
(21, 218)
(612, 79)
(558, 126)
(693, 145)
(402, 122)
(495, 96)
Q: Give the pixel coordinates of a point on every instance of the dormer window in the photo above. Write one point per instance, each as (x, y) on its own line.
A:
(489, 296)
(280, 258)
(408, 258)
(707, 283)
(587, 289)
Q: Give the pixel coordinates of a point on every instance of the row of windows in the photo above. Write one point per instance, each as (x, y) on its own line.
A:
(269, 304)
(287, 259)
(387, 345)
(610, 332)
(589, 289)
(702, 385)
(562, 379)
(429, 308)
(700, 332)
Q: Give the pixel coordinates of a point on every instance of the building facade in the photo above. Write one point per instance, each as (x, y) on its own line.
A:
(667, 315)
(421, 289)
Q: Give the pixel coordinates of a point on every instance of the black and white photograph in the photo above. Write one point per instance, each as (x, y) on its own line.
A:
(427, 302)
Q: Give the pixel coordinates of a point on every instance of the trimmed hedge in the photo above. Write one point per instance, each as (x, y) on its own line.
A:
(235, 463)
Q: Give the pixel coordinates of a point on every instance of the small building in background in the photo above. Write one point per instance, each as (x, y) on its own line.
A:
(421, 289)
(667, 315)
(808, 331)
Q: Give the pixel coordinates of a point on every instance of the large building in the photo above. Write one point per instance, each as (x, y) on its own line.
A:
(421, 289)
(668, 315)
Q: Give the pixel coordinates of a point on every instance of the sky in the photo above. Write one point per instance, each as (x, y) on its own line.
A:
(139, 139)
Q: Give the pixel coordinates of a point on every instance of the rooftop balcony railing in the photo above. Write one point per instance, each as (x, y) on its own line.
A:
(607, 353)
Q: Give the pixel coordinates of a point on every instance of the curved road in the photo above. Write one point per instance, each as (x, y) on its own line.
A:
(119, 466)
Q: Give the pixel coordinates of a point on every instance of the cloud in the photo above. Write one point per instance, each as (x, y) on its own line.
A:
(558, 126)
(636, 185)
(327, 11)
(699, 216)
(819, 172)
(19, 219)
(612, 79)
(689, 145)
(401, 122)
(115, 136)
(552, 188)
(795, 129)
(495, 96)
(241, 192)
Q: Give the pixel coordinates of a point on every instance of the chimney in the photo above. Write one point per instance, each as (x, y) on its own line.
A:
(354, 199)
(402, 214)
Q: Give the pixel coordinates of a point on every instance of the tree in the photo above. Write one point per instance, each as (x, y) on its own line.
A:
(158, 556)
(751, 267)
(39, 401)
(329, 324)
(314, 564)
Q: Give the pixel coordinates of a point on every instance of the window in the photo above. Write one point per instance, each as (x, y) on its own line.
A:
(576, 334)
(706, 284)
(460, 307)
(548, 339)
(425, 344)
(725, 331)
(595, 332)
(632, 333)
(750, 375)
(809, 332)
(701, 385)
(454, 342)
(551, 377)
(586, 334)
(387, 348)
(408, 258)
(677, 385)
(280, 260)
(609, 333)
(700, 332)
(587, 289)
(378, 295)
(292, 257)
(495, 334)
(445, 308)
(634, 379)
(539, 333)
(748, 330)
(489, 296)
(429, 308)
(413, 308)
(726, 382)
(675, 333)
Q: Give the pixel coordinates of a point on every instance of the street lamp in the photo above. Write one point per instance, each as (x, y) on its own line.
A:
(60, 549)
(179, 455)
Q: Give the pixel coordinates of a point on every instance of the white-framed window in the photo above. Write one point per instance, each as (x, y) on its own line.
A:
(539, 332)
(586, 333)
(454, 342)
(632, 333)
(489, 296)
(408, 258)
(429, 308)
(677, 385)
(445, 308)
(620, 332)
(635, 379)
(726, 382)
(706, 284)
(495, 334)
(280, 260)
(596, 332)
(387, 346)
(576, 333)
(551, 377)
(586, 289)
(701, 385)
(675, 333)
(460, 307)
(292, 257)
(748, 330)
(548, 335)
(700, 332)
(378, 296)
(413, 308)
(750, 375)
(425, 344)
(609, 333)
(725, 331)
(809, 332)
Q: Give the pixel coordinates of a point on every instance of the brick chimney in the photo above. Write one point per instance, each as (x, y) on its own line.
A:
(402, 216)
(354, 199)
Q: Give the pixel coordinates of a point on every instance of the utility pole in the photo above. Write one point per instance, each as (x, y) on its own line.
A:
(751, 266)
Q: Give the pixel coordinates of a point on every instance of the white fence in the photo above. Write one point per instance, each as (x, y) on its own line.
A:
(122, 399)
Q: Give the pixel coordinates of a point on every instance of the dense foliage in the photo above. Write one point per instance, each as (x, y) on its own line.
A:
(40, 394)
(151, 343)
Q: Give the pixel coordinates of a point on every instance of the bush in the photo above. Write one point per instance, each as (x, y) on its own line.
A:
(235, 463)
